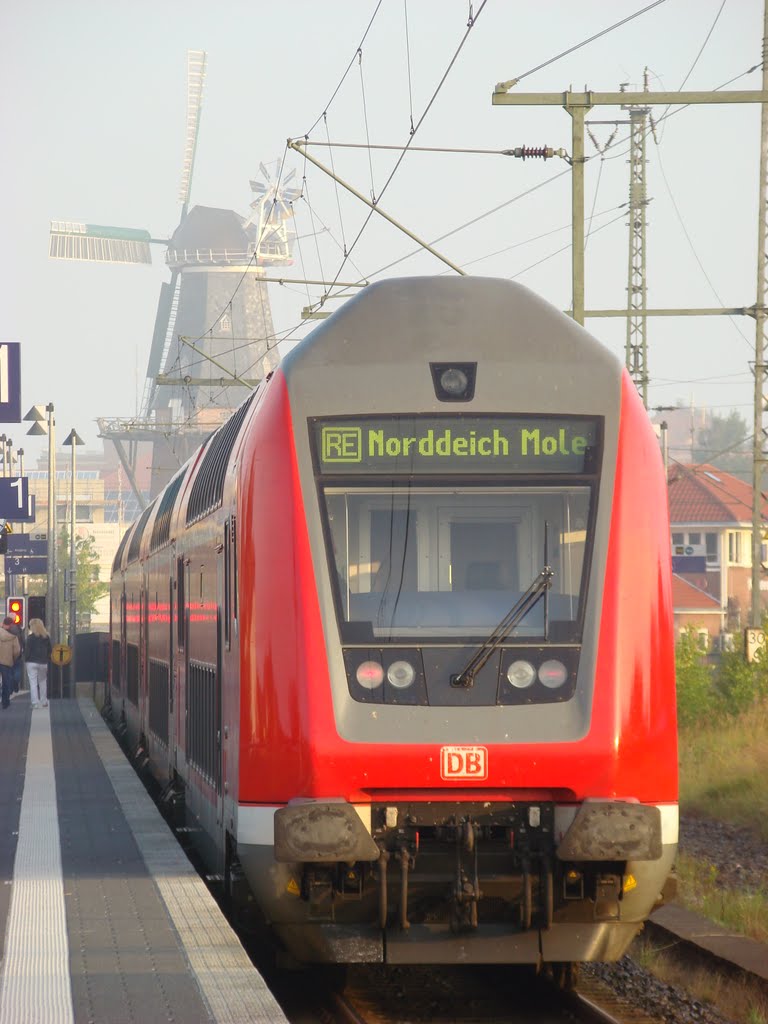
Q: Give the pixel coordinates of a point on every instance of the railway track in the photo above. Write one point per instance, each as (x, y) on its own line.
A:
(501, 995)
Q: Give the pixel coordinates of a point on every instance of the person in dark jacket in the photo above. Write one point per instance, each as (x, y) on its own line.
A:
(37, 653)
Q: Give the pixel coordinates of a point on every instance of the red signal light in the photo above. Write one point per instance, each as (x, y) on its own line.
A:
(15, 608)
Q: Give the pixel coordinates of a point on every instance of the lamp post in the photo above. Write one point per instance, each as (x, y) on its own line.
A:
(39, 427)
(72, 441)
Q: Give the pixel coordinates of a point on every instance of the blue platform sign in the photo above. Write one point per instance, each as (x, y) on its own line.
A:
(20, 565)
(10, 382)
(26, 544)
(16, 504)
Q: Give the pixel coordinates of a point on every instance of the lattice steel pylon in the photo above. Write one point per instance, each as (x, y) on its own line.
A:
(760, 435)
(636, 351)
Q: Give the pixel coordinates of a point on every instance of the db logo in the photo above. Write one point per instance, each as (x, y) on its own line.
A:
(463, 763)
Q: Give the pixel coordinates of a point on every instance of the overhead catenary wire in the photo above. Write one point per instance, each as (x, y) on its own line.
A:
(408, 64)
(471, 24)
(347, 70)
(505, 86)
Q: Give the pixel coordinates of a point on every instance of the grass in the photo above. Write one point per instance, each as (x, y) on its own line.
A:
(724, 769)
(738, 1001)
(723, 776)
(742, 912)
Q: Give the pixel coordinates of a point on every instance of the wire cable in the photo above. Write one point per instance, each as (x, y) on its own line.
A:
(348, 68)
(471, 24)
(584, 42)
(408, 63)
(693, 248)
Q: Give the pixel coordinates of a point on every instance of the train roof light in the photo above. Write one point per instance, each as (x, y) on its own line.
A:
(454, 382)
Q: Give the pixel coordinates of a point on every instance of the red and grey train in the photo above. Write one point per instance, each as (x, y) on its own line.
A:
(399, 638)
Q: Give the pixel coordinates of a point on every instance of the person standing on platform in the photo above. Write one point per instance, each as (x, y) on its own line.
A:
(37, 653)
(10, 650)
(18, 665)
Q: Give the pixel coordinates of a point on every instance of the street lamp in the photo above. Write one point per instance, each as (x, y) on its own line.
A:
(73, 440)
(39, 426)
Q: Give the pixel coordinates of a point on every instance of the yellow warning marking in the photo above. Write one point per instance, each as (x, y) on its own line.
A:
(293, 888)
(630, 883)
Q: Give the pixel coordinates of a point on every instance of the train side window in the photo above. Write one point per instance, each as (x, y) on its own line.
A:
(227, 584)
(180, 602)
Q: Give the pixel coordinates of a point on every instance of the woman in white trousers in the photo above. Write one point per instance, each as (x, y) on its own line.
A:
(37, 653)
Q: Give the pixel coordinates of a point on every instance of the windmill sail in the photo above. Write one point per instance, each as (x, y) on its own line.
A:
(70, 240)
(196, 64)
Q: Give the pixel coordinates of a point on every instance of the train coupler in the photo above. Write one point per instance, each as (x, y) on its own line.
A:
(466, 888)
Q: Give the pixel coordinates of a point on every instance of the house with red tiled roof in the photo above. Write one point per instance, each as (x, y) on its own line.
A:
(696, 608)
(710, 515)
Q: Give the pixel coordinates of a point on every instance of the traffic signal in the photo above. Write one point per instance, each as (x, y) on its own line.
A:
(36, 607)
(16, 609)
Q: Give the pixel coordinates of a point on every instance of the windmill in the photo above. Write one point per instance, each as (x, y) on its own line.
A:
(213, 337)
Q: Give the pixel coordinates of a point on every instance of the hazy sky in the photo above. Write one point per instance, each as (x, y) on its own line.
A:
(92, 123)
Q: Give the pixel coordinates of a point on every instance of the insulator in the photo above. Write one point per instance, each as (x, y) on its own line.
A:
(543, 152)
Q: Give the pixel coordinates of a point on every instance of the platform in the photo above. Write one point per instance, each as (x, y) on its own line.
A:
(102, 915)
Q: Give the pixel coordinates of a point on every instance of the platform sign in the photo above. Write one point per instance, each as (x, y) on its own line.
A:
(27, 545)
(20, 565)
(10, 382)
(15, 502)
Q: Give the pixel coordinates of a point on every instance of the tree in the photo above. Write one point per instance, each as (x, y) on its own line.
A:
(89, 588)
(725, 444)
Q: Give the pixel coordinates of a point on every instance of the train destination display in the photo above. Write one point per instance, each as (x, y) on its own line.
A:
(509, 444)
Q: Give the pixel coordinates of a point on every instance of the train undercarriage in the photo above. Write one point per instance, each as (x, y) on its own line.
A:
(437, 882)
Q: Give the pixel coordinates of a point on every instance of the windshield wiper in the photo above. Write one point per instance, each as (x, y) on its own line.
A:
(528, 600)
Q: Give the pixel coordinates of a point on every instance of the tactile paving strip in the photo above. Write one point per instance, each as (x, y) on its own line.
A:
(35, 980)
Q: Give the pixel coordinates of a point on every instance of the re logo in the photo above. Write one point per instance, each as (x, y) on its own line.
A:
(342, 444)
(463, 763)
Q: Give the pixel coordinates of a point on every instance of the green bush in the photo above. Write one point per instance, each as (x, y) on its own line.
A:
(731, 687)
(696, 695)
(740, 683)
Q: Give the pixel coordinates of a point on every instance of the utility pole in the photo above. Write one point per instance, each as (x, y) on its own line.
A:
(576, 104)
(759, 434)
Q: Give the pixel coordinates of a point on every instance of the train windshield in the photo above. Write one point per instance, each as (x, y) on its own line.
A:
(449, 562)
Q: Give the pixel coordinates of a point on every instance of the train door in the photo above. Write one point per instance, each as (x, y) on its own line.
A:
(180, 677)
(144, 655)
(171, 673)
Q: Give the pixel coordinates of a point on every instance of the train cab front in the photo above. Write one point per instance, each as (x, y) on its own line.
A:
(488, 745)
(459, 552)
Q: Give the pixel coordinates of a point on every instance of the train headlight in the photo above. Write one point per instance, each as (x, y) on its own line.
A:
(369, 674)
(553, 673)
(521, 674)
(401, 674)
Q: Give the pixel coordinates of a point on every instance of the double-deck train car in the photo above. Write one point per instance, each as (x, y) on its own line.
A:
(398, 639)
